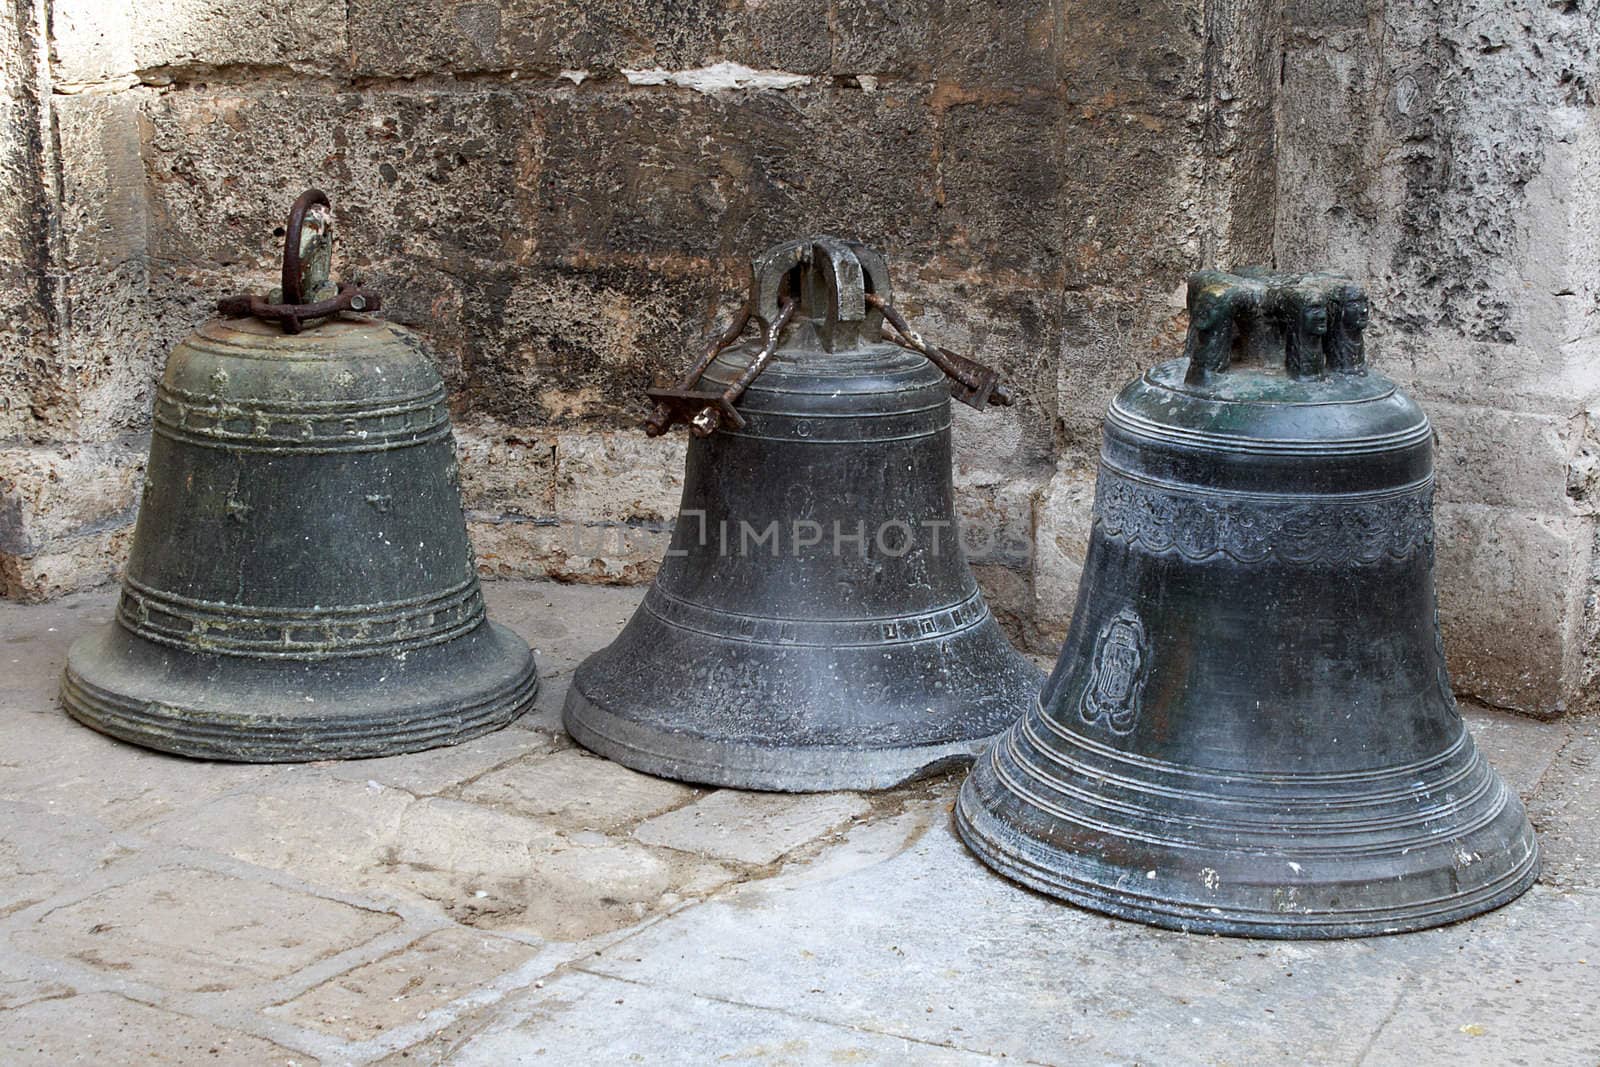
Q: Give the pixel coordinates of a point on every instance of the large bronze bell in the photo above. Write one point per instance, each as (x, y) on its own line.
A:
(1250, 729)
(300, 584)
(815, 624)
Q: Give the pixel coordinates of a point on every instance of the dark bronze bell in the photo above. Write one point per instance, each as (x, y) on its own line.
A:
(1250, 729)
(300, 584)
(814, 624)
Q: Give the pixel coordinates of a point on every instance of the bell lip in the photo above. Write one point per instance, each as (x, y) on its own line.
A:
(125, 702)
(769, 768)
(998, 846)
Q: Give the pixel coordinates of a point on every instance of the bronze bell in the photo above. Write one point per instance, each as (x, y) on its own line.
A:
(300, 584)
(1250, 729)
(814, 624)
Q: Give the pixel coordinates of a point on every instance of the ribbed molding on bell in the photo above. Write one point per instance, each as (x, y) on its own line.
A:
(1257, 855)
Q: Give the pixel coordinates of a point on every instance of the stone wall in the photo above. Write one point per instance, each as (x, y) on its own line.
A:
(1449, 154)
(561, 196)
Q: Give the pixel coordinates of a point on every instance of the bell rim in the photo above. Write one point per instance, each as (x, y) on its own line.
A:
(769, 768)
(1003, 847)
(127, 702)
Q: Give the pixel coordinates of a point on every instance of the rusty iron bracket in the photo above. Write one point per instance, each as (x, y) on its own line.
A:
(970, 381)
(300, 280)
(706, 411)
(672, 403)
(293, 317)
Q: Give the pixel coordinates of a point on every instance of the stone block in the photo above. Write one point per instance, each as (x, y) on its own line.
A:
(1501, 458)
(442, 770)
(576, 347)
(107, 1028)
(112, 346)
(1511, 587)
(506, 472)
(413, 175)
(198, 931)
(1131, 55)
(1108, 338)
(1565, 815)
(577, 790)
(597, 553)
(68, 566)
(1062, 522)
(883, 41)
(31, 383)
(622, 477)
(1134, 203)
(96, 43)
(43, 850)
(543, 37)
(994, 513)
(1008, 45)
(751, 828)
(49, 494)
(1000, 183)
(401, 988)
(662, 171)
(66, 513)
(1012, 330)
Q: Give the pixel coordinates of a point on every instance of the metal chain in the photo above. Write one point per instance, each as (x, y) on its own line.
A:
(661, 415)
(711, 410)
(979, 384)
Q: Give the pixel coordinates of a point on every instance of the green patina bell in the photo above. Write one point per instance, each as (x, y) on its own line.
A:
(300, 584)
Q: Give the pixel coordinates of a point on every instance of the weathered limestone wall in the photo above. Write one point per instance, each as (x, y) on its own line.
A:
(561, 195)
(1449, 154)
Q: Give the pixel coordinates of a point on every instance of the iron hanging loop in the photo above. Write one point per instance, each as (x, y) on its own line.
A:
(970, 381)
(292, 313)
(293, 292)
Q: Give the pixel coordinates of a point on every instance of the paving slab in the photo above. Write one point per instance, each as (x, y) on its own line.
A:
(41, 851)
(100, 1029)
(445, 769)
(1503, 990)
(589, 1019)
(482, 866)
(183, 928)
(752, 828)
(421, 978)
(562, 623)
(1520, 748)
(1565, 810)
(575, 789)
(921, 941)
(515, 899)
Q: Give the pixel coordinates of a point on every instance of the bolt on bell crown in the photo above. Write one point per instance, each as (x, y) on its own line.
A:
(300, 584)
(814, 624)
(1250, 729)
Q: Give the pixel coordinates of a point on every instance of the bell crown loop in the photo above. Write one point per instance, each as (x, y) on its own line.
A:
(814, 294)
(829, 279)
(1311, 322)
(307, 292)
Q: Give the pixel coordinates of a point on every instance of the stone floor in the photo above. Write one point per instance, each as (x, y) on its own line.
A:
(514, 900)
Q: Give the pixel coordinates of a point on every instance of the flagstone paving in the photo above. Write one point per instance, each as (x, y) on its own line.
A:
(516, 900)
